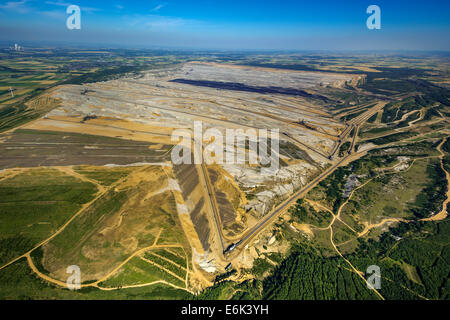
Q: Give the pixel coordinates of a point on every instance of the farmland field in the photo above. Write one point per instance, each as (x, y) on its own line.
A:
(88, 175)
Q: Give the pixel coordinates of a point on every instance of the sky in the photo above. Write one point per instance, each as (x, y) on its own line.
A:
(232, 24)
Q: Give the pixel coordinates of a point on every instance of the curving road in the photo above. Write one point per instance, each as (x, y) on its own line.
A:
(356, 123)
(285, 205)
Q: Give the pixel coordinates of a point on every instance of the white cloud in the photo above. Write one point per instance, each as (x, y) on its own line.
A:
(55, 14)
(66, 4)
(90, 9)
(17, 6)
(58, 3)
(158, 7)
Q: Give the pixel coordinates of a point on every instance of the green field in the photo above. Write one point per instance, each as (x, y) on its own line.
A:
(105, 176)
(34, 204)
(18, 282)
(138, 271)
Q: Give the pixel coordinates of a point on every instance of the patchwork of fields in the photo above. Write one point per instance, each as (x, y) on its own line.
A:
(87, 179)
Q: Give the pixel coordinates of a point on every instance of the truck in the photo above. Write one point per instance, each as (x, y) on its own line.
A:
(231, 247)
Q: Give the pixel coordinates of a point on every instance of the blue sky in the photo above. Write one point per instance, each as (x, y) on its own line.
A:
(232, 24)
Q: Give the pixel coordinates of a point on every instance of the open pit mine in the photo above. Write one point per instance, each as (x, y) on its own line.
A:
(217, 203)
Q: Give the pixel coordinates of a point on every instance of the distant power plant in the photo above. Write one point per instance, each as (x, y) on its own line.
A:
(17, 47)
